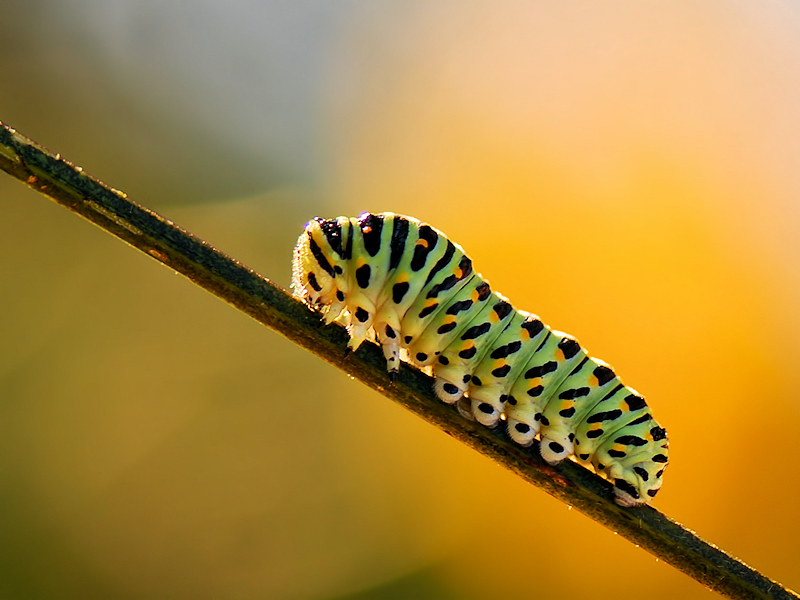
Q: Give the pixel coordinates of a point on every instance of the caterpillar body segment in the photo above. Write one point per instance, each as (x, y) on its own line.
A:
(404, 281)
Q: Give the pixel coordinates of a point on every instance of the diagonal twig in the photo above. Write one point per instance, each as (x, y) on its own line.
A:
(274, 307)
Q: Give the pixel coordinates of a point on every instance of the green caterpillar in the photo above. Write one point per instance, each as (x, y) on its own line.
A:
(417, 291)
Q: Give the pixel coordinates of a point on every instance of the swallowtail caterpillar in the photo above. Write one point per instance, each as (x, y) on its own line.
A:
(416, 291)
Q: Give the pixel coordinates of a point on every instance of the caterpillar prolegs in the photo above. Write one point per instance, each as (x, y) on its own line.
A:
(417, 291)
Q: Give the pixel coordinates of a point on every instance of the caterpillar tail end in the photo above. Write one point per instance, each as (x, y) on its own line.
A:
(626, 495)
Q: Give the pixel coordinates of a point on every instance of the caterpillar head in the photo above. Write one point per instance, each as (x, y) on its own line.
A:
(318, 266)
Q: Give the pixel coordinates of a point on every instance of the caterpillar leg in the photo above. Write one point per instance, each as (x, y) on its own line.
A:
(452, 379)
(362, 316)
(332, 311)
(487, 408)
(447, 391)
(555, 448)
(522, 433)
(389, 340)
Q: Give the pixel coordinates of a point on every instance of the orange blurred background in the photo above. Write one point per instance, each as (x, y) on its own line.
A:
(629, 172)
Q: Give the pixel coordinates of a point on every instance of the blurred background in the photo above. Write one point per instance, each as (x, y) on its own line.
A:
(630, 172)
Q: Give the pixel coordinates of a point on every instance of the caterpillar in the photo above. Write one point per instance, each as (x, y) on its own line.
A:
(403, 282)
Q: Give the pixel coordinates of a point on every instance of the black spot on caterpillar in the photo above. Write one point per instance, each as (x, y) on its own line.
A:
(387, 274)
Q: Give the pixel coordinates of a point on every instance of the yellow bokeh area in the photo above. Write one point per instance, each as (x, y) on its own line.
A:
(629, 172)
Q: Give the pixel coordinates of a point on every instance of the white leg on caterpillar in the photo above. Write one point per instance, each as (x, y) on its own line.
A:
(358, 330)
(555, 450)
(333, 312)
(447, 391)
(392, 364)
(485, 413)
(391, 352)
(352, 345)
(390, 343)
(522, 433)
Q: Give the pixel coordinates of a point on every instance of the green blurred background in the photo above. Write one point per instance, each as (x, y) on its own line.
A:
(628, 171)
